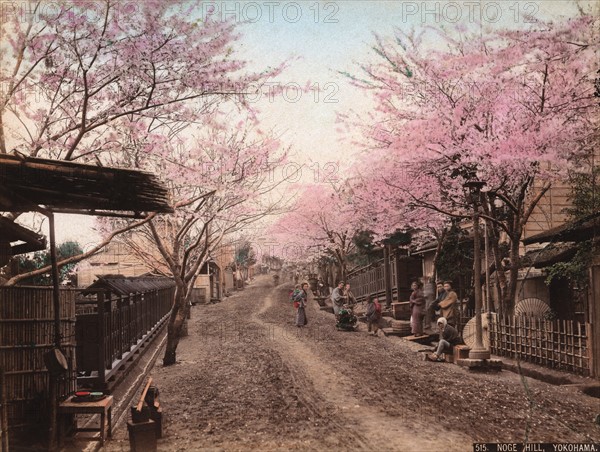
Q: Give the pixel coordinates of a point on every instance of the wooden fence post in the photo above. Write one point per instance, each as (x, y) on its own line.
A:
(594, 320)
(387, 275)
(3, 412)
(101, 339)
(398, 275)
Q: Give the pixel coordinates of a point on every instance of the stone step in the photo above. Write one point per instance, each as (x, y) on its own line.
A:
(425, 339)
(395, 332)
(480, 364)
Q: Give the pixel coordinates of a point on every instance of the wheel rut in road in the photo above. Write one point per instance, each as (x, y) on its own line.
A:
(366, 427)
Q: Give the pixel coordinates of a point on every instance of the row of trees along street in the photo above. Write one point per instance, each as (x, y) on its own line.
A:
(515, 109)
(159, 90)
(162, 90)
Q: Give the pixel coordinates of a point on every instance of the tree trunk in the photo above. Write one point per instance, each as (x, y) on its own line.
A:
(331, 275)
(178, 315)
(501, 282)
(515, 262)
(340, 257)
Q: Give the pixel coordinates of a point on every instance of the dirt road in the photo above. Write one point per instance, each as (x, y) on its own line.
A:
(247, 378)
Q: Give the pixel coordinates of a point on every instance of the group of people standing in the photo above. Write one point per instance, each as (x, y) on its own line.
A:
(443, 309)
(444, 305)
(341, 295)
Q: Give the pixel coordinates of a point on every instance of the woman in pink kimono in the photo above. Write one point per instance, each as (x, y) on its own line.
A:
(417, 306)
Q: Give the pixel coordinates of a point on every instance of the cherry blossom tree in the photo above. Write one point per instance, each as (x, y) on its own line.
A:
(91, 81)
(220, 182)
(74, 70)
(323, 220)
(510, 108)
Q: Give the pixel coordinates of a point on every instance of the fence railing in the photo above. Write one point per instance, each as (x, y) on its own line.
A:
(557, 344)
(110, 328)
(370, 280)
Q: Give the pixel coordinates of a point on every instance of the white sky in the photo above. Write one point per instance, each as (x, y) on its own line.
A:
(324, 37)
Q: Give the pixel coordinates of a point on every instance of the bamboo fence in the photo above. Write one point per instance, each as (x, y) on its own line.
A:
(557, 344)
(26, 334)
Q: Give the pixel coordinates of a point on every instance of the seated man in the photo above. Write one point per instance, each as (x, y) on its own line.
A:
(449, 337)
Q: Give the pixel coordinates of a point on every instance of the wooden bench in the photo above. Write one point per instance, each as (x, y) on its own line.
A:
(102, 407)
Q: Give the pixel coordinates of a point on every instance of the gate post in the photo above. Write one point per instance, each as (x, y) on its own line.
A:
(101, 340)
(594, 320)
(398, 274)
(387, 275)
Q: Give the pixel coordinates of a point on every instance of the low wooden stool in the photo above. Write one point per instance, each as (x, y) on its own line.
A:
(142, 436)
(461, 351)
(102, 407)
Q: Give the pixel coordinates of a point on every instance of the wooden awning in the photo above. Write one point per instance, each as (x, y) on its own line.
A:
(125, 285)
(68, 187)
(574, 231)
(20, 239)
(550, 254)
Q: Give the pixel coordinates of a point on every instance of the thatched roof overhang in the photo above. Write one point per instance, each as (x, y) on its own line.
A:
(62, 186)
(551, 254)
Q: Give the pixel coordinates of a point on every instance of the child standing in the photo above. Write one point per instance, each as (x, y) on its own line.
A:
(373, 315)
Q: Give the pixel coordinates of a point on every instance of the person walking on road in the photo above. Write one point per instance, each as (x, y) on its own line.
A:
(301, 298)
(417, 305)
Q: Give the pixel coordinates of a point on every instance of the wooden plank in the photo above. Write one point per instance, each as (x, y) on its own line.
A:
(3, 412)
(425, 338)
(394, 332)
(143, 396)
(591, 362)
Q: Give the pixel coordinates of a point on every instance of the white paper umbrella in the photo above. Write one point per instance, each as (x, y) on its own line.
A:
(532, 307)
(469, 332)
